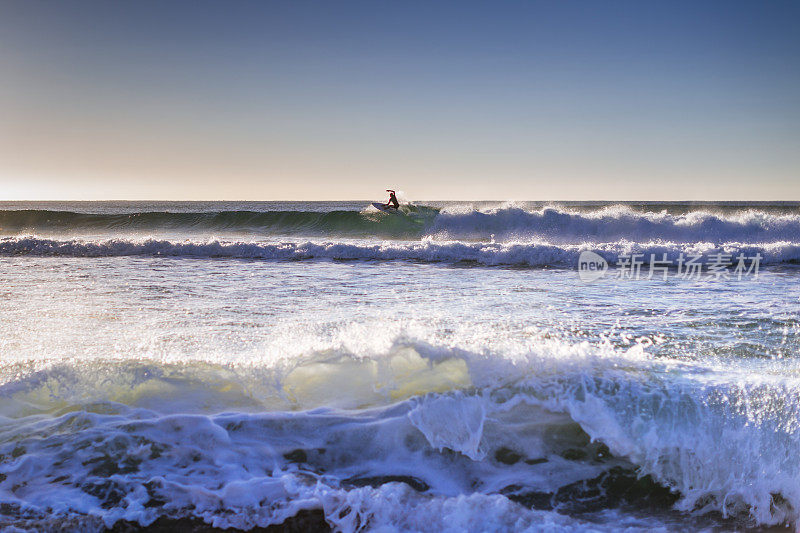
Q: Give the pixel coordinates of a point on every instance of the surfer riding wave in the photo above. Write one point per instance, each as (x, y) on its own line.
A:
(392, 203)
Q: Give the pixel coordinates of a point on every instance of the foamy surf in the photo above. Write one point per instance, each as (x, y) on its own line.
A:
(533, 254)
(519, 442)
(337, 368)
(614, 223)
(455, 222)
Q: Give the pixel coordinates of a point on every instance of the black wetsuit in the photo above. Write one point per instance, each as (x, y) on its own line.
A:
(393, 201)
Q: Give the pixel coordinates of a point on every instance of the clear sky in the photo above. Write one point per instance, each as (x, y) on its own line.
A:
(458, 100)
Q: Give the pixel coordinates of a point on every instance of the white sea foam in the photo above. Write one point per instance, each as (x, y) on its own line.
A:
(524, 253)
(394, 395)
(505, 222)
(615, 223)
(454, 422)
(728, 445)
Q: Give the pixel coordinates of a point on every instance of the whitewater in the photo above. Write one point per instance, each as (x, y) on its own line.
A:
(323, 365)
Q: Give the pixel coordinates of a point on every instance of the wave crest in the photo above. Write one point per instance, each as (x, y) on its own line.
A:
(532, 254)
(538, 428)
(616, 223)
(506, 222)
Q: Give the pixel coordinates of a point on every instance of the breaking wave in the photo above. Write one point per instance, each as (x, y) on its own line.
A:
(533, 254)
(615, 223)
(514, 441)
(416, 420)
(558, 225)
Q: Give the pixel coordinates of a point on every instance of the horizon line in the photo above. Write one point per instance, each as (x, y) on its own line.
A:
(420, 200)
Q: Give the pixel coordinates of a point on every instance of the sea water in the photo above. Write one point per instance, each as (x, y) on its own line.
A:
(444, 368)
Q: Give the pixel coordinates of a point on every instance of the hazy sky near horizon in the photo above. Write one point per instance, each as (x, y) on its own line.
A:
(443, 100)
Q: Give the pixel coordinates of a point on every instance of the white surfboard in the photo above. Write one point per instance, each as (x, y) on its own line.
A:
(382, 207)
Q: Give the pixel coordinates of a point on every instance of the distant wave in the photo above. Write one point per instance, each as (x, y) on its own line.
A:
(533, 254)
(507, 222)
(616, 223)
(346, 223)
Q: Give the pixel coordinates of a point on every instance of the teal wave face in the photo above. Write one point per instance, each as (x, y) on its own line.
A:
(505, 223)
(410, 222)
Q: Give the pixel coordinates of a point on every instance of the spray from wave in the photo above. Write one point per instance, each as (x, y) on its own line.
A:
(507, 222)
(515, 419)
(535, 254)
(504, 439)
(615, 223)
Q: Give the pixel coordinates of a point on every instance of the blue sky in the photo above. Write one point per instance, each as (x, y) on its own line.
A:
(443, 100)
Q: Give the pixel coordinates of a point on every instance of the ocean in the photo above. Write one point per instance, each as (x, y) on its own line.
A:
(456, 366)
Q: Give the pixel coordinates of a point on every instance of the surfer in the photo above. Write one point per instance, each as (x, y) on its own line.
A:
(392, 200)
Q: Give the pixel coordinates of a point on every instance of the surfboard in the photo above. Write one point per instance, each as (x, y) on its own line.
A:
(382, 207)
